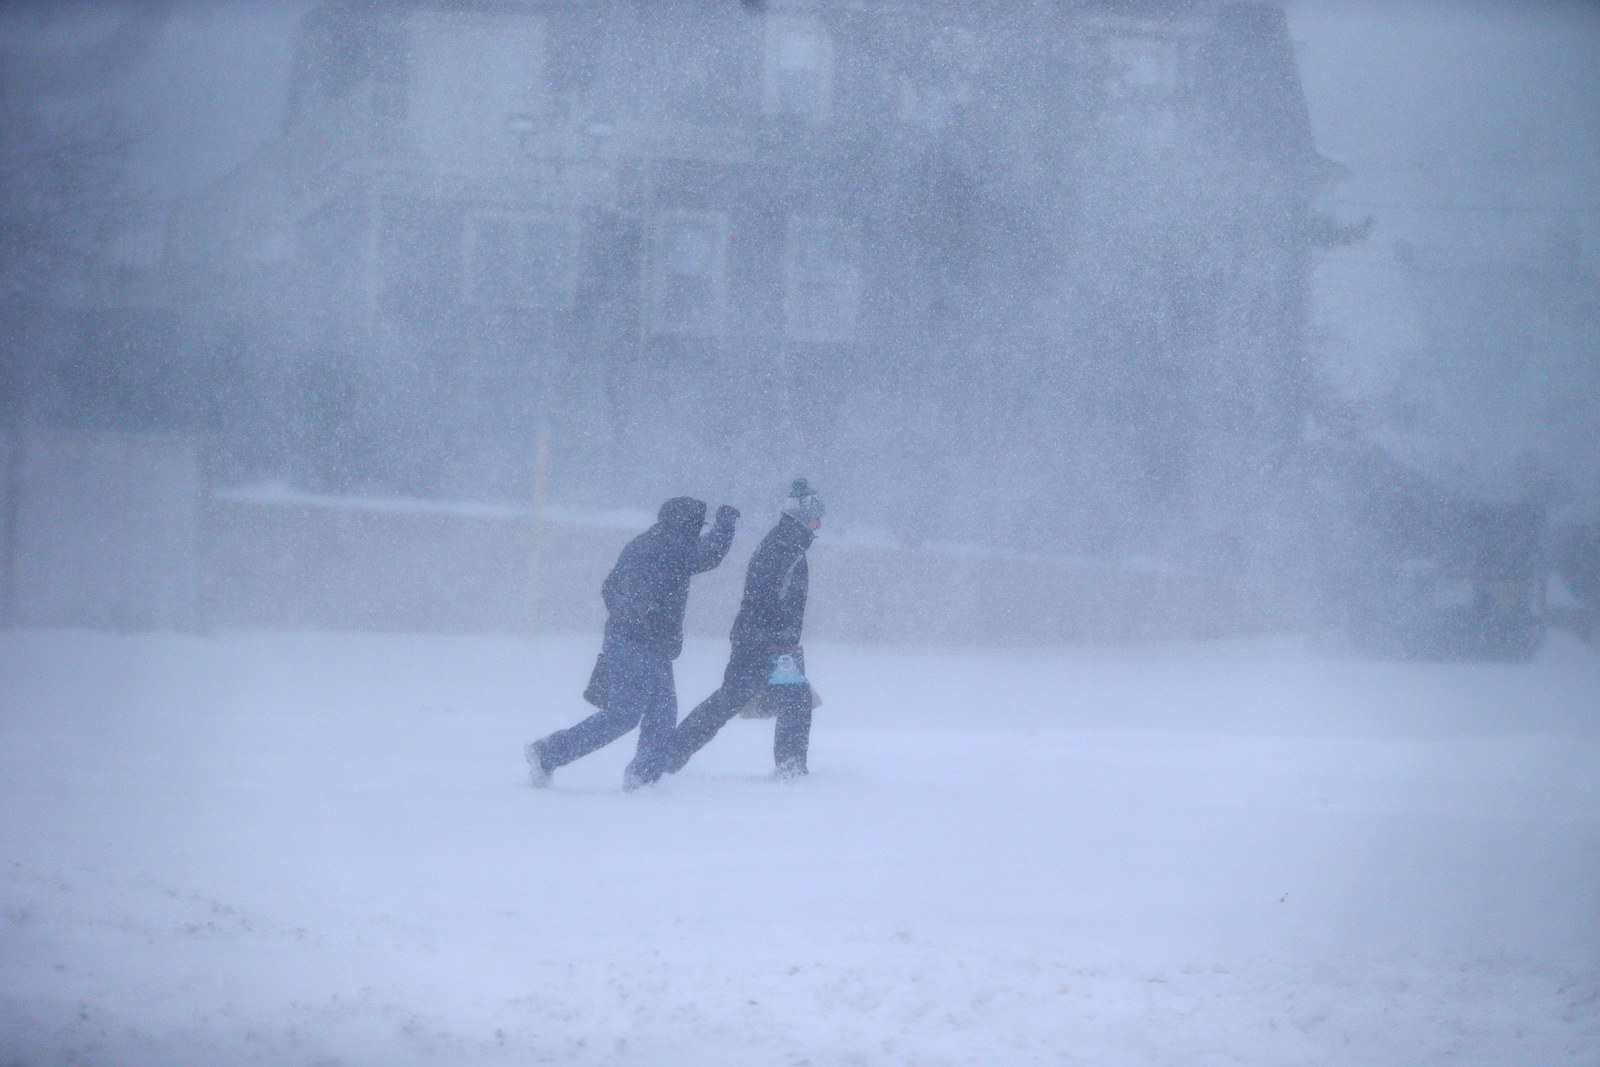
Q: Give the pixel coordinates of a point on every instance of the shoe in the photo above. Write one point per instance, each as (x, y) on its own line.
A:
(634, 777)
(791, 768)
(534, 753)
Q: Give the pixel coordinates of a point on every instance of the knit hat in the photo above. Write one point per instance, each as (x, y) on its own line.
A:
(803, 504)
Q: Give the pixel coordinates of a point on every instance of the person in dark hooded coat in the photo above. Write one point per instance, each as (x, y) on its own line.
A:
(766, 658)
(645, 596)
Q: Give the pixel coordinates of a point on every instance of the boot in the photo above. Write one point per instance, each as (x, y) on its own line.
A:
(537, 771)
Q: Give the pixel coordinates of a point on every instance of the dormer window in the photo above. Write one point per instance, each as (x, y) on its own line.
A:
(478, 75)
(798, 69)
(1142, 65)
(1142, 83)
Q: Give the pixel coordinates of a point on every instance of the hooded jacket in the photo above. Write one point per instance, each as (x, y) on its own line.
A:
(775, 584)
(647, 591)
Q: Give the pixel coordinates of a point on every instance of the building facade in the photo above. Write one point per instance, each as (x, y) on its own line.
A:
(1029, 274)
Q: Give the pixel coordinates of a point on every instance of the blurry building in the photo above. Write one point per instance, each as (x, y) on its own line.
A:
(1030, 274)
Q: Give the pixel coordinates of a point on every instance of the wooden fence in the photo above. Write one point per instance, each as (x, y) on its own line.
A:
(117, 531)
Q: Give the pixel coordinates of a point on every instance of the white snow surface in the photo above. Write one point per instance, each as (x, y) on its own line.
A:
(261, 848)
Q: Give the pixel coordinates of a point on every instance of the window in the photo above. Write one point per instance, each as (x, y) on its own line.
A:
(419, 249)
(1143, 65)
(1142, 74)
(822, 280)
(697, 76)
(517, 261)
(688, 273)
(474, 67)
(799, 68)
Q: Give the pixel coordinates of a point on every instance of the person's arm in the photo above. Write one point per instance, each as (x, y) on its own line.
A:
(791, 599)
(710, 549)
(763, 608)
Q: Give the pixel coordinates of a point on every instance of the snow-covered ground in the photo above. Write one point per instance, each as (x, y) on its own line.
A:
(322, 849)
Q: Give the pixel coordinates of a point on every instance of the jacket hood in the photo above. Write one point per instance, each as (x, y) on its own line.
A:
(683, 515)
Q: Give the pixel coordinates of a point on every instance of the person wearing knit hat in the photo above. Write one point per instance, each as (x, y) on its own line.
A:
(804, 505)
(645, 596)
(766, 660)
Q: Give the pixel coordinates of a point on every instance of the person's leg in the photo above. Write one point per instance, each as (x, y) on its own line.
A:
(627, 681)
(791, 735)
(747, 671)
(660, 715)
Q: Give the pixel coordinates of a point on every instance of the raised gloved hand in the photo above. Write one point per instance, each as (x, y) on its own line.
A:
(727, 513)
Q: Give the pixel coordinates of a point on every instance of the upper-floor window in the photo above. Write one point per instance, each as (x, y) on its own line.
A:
(798, 68)
(419, 251)
(696, 75)
(517, 260)
(1143, 72)
(822, 281)
(689, 272)
(1143, 65)
(478, 75)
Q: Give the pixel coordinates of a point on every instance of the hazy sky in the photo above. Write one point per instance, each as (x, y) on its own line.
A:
(1466, 103)
(1463, 119)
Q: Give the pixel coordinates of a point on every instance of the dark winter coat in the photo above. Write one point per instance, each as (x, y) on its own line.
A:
(774, 605)
(647, 591)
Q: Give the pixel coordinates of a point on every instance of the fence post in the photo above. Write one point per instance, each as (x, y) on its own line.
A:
(541, 469)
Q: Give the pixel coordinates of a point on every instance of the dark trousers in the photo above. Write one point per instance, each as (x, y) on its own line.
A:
(748, 670)
(639, 692)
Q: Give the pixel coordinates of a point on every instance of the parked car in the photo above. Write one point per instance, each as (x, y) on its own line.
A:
(1577, 562)
(1449, 579)
(1418, 571)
